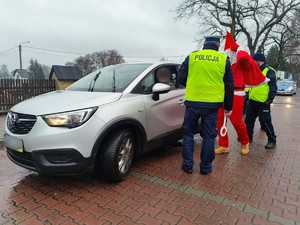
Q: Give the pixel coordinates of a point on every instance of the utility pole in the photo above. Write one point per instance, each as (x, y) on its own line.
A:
(20, 56)
(20, 52)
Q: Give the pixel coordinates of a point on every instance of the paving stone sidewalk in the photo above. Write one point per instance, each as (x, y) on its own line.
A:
(260, 189)
(2, 121)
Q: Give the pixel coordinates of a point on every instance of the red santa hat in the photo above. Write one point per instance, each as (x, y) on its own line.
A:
(243, 64)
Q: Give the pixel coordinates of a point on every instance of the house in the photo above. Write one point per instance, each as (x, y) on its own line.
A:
(20, 74)
(64, 76)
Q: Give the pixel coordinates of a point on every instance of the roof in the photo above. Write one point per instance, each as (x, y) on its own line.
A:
(22, 73)
(64, 73)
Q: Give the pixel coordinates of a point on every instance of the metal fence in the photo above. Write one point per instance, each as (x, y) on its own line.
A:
(15, 91)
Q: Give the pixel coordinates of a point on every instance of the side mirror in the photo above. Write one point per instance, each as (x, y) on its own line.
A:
(158, 89)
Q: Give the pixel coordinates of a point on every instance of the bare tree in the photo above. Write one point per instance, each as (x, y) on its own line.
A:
(291, 36)
(254, 19)
(292, 46)
(35, 70)
(96, 60)
(4, 72)
(276, 58)
(281, 39)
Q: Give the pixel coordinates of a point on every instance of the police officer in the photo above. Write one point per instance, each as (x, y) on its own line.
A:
(259, 105)
(209, 84)
(247, 90)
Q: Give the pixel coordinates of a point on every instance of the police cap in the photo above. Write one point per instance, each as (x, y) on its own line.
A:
(259, 57)
(213, 40)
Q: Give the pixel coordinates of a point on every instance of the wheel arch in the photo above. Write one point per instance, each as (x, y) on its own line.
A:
(126, 123)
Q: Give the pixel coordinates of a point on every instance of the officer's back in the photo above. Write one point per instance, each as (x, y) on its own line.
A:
(207, 76)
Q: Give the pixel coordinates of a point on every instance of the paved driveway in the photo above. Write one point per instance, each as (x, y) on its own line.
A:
(2, 121)
(260, 189)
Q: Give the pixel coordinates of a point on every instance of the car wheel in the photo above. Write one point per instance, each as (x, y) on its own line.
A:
(118, 156)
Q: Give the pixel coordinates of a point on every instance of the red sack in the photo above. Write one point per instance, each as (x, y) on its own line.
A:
(245, 70)
(249, 69)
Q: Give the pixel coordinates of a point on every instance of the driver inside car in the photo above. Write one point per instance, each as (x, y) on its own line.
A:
(163, 75)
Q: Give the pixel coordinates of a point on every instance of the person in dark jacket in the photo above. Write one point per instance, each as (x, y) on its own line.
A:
(206, 74)
(260, 100)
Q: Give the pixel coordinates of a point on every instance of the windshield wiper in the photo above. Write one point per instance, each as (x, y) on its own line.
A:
(93, 82)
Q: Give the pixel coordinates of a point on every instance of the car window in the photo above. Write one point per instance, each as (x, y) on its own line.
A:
(164, 74)
(109, 79)
(145, 86)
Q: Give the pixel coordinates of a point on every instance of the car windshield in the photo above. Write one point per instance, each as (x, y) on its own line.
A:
(109, 79)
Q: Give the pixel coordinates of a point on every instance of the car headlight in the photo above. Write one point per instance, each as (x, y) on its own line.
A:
(69, 119)
(289, 88)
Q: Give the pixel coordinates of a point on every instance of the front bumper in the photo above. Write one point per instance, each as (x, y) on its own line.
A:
(51, 162)
(43, 137)
(52, 150)
(285, 92)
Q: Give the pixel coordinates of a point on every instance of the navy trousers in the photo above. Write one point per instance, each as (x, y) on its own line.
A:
(260, 117)
(208, 132)
(263, 111)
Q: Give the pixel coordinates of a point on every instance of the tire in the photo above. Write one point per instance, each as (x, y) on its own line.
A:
(118, 156)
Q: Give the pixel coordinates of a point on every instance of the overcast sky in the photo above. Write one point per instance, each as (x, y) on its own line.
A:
(136, 28)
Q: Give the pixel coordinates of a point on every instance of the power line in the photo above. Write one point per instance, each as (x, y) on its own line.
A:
(55, 51)
(74, 53)
(8, 50)
(43, 52)
(47, 50)
(6, 54)
(129, 58)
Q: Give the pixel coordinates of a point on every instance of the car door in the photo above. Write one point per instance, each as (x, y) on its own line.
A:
(165, 115)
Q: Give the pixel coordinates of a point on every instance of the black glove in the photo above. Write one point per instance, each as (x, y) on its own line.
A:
(269, 101)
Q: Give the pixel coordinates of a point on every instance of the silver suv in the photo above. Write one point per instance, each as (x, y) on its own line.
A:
(102, 121)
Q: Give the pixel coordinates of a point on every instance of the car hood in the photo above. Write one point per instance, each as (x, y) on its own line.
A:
(62, 101)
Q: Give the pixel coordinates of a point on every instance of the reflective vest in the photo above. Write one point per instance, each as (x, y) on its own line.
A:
(205, 76)
(261, 92)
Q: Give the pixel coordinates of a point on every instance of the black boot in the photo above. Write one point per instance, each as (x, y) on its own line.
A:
(205, 168)
(271, 144)
(204, 172)
(186, 169)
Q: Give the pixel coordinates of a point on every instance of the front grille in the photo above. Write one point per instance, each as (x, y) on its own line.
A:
(19, 123)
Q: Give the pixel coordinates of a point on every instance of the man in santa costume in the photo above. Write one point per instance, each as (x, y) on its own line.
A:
(245, 73)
